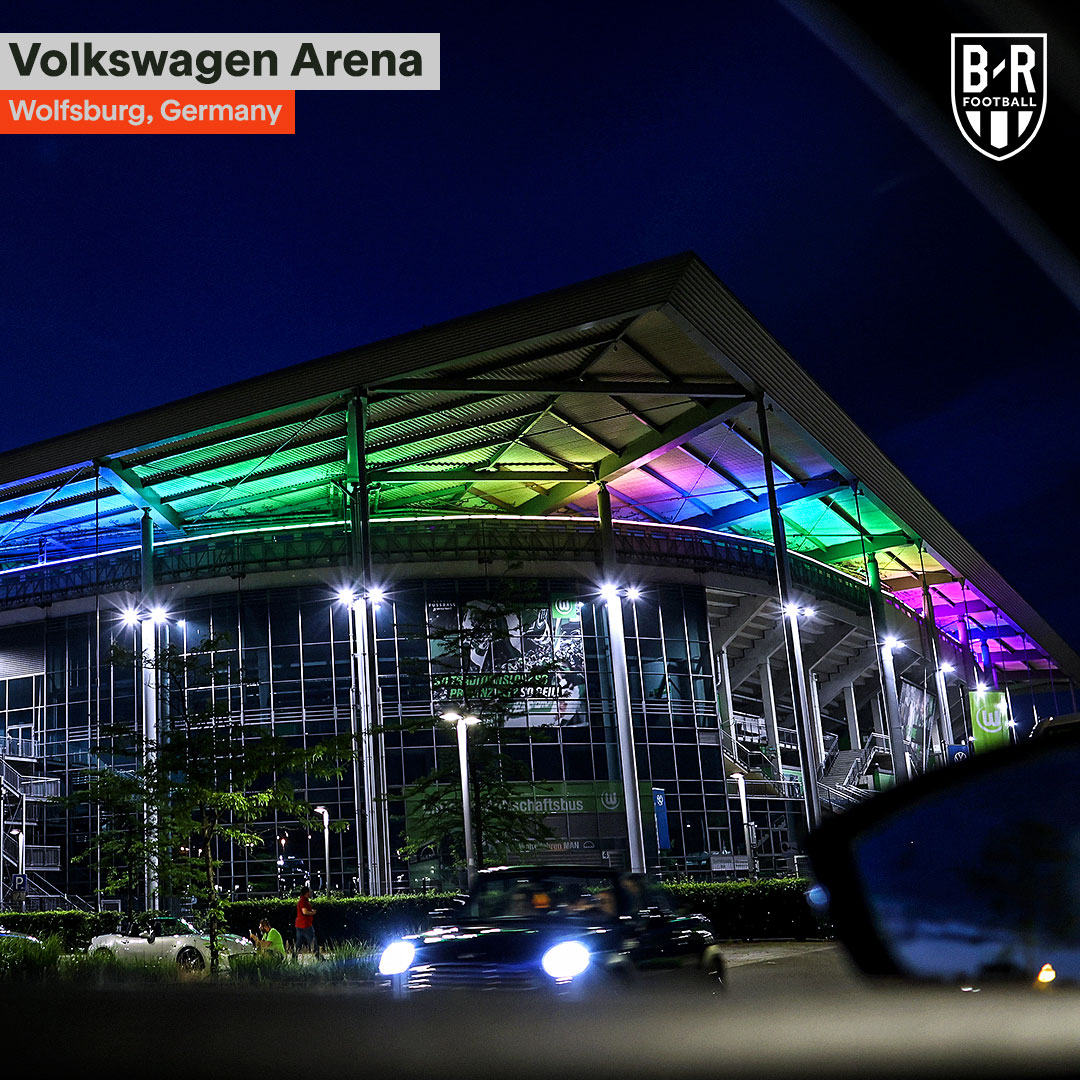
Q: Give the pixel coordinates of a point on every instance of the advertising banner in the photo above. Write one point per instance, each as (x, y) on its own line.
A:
(918, 708)
(989, 719)
(663, 837)
(532, 660)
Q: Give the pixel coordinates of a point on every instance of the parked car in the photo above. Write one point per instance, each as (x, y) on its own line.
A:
(564, 929)
(169, 939)
(14, 935)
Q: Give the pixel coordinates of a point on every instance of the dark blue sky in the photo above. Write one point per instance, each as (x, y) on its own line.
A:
(564, 143)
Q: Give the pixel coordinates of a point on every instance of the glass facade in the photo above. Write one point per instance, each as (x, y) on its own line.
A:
(285, 665)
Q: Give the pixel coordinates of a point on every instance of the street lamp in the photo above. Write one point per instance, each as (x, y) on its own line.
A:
(452, 716)
(740, 784)
(17, 832)
(326, 841)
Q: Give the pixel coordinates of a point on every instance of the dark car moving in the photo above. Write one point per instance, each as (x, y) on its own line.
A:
(564, 929)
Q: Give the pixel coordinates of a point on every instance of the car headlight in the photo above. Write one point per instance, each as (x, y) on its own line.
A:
(396, 958)
(565, 960)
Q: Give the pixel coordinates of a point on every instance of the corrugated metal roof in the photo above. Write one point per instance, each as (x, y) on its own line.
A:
(276, 444)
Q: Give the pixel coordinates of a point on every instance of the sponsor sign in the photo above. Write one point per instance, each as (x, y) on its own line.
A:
(989, 719)
(663, 837)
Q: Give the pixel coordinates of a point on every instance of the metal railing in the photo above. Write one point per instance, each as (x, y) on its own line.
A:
(832, 748)
(839, 797)
(19, 748)
(875, 744)
(28, 787)
(471, 539)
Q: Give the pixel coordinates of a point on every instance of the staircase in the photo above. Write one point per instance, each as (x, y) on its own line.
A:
(839, 786)
(21, 804)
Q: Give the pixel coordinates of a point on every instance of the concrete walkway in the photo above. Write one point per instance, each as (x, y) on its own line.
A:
(738, 953)
(783, 967)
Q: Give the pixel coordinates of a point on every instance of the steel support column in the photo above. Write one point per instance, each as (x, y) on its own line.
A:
(877, 716)
(815, 714)
(369, 772)
(724, 698)
(892, 714)
(148, 664)
(800, 696)
(768, 708)
(851, 711)
(944, 724)
(621, 684)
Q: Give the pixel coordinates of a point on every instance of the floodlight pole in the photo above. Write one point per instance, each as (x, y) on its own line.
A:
(621, 684)
(370, 788)
(148, 663)
(800, 697)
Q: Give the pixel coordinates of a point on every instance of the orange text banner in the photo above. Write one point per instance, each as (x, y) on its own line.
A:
(116, 112)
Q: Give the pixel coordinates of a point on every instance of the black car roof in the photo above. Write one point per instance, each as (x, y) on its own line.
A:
(548, 870)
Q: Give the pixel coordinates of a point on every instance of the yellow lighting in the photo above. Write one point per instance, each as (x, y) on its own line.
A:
(1047, 974)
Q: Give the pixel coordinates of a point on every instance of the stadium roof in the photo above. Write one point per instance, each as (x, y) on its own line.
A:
(645, 379)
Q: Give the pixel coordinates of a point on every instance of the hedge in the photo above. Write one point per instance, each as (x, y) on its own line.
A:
(769, 908)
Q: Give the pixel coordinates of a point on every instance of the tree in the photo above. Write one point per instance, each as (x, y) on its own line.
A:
(488, 657)
(204, 781)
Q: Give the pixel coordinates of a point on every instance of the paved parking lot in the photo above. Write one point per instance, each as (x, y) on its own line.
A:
(771, 966)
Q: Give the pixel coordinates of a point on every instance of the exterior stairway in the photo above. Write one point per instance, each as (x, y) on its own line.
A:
(21, 804)
(839, 786)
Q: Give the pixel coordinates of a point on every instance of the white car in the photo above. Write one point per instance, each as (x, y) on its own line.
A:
(171, 939)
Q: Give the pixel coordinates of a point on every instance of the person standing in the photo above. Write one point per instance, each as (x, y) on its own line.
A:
(305, 923)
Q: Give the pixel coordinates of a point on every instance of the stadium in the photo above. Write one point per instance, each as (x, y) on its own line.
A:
(748, 617)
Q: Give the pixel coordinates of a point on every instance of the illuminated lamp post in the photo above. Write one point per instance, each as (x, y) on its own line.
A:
(462, 723)
(325, 814)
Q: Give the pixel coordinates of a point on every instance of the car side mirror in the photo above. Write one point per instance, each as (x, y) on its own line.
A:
(967, 874)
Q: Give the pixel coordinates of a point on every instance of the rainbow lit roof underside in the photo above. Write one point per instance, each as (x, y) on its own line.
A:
(645, 379)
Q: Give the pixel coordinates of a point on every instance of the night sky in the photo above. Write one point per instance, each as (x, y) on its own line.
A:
(137, 270)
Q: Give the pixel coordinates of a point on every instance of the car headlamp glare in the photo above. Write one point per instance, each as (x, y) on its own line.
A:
(396, 958)
(565, 960)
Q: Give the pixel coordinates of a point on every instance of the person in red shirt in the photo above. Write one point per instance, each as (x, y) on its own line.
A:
(305, 923)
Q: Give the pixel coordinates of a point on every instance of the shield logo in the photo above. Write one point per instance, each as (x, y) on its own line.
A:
(999, 90)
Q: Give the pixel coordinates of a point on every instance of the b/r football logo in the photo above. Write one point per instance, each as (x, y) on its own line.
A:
(999, 90)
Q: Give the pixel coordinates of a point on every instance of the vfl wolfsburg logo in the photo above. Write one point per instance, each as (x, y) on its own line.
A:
(989, 719)
(610, 800)
(564, 608)
(999, 90)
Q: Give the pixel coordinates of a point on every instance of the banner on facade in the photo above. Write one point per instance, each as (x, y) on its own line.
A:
(957, 752)
(918, 711)
(663, 837)
(989, 719)
(532, 658)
